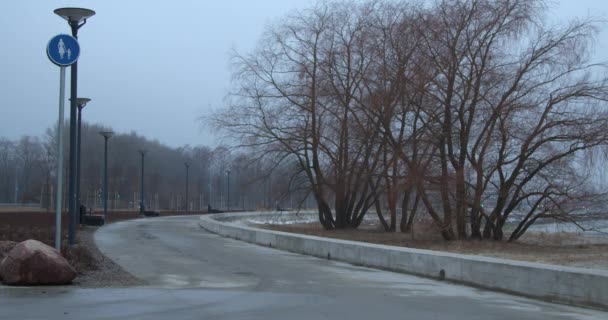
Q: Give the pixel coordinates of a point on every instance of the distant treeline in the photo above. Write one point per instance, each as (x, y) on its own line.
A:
(27, 174)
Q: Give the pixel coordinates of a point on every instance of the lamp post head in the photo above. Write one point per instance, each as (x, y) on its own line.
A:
(81, 102)
(74, 15)
(228, 171)
(106, 134)
(187, 164)
(142, 152)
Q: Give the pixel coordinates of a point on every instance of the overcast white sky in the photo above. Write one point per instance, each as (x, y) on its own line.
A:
(153, 67)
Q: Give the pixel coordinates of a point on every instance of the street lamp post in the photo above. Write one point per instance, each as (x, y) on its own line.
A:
(209, 201)
(228, 189)
(81, 102)
(187, 169)
(141, 197)
(76, 18)
(106, 135)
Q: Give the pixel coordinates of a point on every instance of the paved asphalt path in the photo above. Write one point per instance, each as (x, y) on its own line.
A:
(193, 274)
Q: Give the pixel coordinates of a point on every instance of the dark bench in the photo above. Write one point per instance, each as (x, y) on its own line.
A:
(150, 213)
(94, 219)
(88, 218)
(211, 210)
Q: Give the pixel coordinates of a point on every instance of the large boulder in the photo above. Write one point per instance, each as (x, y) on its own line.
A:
(32, 262)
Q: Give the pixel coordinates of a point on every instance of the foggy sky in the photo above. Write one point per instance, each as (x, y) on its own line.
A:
(153, 67)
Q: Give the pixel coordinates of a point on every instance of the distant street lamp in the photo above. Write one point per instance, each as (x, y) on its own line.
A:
(81, 102)
(228, 189)
(209, 200)
(141, 197)
(106, 135)
(76, 18)
(187, 169)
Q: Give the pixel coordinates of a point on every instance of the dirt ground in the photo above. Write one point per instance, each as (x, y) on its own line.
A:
(568, 249)
(94, 269)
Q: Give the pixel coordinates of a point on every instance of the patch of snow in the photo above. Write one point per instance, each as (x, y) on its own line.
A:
(283, 218)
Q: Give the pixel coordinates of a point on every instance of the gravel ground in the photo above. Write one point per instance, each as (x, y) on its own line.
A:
(94, 269)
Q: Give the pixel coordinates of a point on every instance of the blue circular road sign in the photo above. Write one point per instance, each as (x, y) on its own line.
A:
(63, 50)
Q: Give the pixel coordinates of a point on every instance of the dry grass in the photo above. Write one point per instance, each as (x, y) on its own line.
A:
(5, 247)
(21, 225)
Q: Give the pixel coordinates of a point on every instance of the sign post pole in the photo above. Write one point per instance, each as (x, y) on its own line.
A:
(63, 50)
(59, 159)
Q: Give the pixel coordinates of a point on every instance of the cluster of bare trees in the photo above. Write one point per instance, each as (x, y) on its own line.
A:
(474, 112)
(216, 175)
(25, 166)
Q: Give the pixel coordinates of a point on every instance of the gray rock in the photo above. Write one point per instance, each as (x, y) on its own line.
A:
(32, 262)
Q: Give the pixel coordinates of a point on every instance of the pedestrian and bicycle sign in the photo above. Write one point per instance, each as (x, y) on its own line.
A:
(63, 50)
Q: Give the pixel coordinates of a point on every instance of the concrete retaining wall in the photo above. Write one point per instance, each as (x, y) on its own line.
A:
(577, 286)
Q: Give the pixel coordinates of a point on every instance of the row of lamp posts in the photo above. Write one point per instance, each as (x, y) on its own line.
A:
(76, 18)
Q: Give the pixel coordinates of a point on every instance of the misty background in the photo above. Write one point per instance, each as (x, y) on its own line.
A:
(152, 70)
(153, 67)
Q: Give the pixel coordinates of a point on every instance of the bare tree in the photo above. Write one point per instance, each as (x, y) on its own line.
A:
(7, 170)
(299, 96)
(514, 100)
(473, 111)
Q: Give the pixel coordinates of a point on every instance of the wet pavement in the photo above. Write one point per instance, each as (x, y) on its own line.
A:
(192, 274)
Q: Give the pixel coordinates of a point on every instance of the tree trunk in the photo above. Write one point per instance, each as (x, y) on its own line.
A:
(475, 225)
(410, 221)
(461, 210)
(380, 216)
(404, 208)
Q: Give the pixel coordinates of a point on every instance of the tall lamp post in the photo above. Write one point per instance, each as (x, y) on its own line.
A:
(187, 169)
(228, 189)
(141, 197)
(76, 18)
(106, 135)
(81, 102)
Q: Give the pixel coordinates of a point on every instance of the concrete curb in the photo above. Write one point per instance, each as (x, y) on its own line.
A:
(575, 286)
